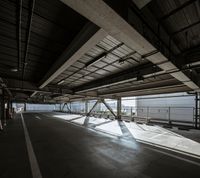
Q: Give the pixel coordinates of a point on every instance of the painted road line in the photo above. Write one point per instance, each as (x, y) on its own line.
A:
(32, 158)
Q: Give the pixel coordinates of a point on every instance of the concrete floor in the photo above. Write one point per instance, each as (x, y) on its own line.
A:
(66, 150)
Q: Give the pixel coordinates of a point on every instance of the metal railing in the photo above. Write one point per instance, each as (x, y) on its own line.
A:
(184, 115)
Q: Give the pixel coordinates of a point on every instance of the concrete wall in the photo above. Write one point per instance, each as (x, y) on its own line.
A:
(169, 106)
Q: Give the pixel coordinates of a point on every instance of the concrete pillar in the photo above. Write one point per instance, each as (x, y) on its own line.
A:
(70, 106)
(60, 106)
(24, 106)
(8, 109)
(119, 108)
(86, 107)
(197, 110)
(3, 118)
(169, 115)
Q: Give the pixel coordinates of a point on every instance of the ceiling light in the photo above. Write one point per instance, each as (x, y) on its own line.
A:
(62, 81)
(14, 70)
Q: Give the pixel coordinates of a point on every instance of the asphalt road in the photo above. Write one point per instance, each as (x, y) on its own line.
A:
(65, 150)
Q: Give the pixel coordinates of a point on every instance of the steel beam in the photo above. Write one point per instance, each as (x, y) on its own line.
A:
(69, 108)
(93, 108)
(109, 108)
(105, 17)
(63, 106)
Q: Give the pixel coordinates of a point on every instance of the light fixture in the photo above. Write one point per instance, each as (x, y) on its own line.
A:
(14, 70)
(62, 81)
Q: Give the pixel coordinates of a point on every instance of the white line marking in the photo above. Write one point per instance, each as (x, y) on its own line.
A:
(32, 158)
(37, 117)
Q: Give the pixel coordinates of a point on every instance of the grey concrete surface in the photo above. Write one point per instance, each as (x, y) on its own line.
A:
(64, 150)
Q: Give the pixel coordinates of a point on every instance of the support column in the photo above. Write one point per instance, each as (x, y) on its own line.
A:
(197, 110)
(70, 106)
(24, 106)
(169, 115)
(3, 119)
(119, 108)
(8, 110)
(1, 112)
(86, 107)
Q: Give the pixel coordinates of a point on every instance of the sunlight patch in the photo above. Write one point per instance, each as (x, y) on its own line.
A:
(94, 120)
(79, 121)
(159, 136)
(111, 127)
(67, 116)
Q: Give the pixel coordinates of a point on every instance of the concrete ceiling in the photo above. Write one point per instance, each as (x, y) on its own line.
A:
(109, 49)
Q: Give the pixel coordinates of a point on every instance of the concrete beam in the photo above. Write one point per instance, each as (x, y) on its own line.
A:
(149, 91)
(85, 40)
(93, 108)
(119, 108)
(18, 85)
(105, 17)
(119, 78)
(142, 85)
